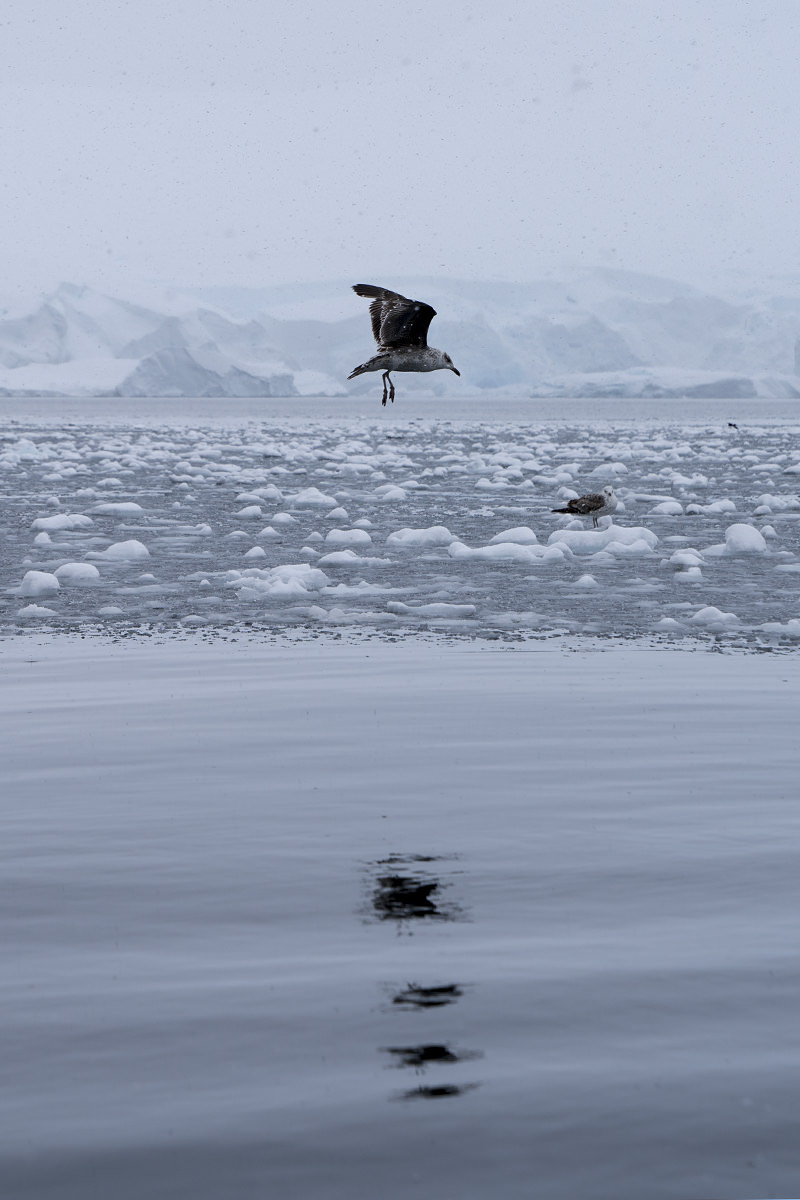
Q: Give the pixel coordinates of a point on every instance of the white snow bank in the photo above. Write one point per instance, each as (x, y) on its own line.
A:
(436, 535)
(63, 521)
(77, 572)
(38, 583)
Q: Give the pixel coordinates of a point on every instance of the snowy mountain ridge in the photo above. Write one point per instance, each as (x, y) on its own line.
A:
(603, 333)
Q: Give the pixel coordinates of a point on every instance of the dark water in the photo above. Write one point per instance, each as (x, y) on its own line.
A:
(398, 920)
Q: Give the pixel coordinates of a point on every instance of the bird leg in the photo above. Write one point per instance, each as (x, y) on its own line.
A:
(391, 390)
(594, 521)
(385, 377)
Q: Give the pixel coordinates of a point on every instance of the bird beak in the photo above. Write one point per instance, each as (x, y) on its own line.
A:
(455, 372)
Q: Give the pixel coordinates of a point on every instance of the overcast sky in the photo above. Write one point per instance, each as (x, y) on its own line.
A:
(268, 141)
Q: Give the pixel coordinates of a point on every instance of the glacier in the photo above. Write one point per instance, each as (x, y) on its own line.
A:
(602, 333)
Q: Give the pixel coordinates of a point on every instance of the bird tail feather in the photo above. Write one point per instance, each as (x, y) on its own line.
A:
(360, 370)
(560, 510)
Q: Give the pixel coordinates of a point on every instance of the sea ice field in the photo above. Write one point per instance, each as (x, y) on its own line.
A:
(194, 516)
(372, 830)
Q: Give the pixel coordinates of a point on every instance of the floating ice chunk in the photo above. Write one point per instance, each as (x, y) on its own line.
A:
(255, 495)
(77, 572)
(521, 534)
(362, 523)
(125, 509)
(312, 497)
(714, 620)
(716, 506)
(62, 521)
(269, 534)
(338, 514)
(614, 539)
(340, 558)
(109, 610)
(122, 551)
(36, 610)
(256, 552)
(778, 503)
(287, 580)
(42, 539)
(251, 512)
(436, 535)
(685, 559)
(501, 552)
(586, 581)
(315, 537)
(669, 625)
(457, 611)
(744, 539)
(668, 508)
(490, 485)
(283, 518)
(38, 583)
(313, 611)
(790, 629)
(348, 537)
(194, 619)
(768, 531)
(610, 468)
(390, 491)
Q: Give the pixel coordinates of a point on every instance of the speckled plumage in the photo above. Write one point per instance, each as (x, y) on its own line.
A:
(400, 328)
(594, 505)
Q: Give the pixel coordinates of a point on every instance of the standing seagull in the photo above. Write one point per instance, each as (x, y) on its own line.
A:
(596, 504)
(400, 327)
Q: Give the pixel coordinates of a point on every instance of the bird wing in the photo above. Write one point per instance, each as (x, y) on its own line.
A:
(586, 504)
(396, 320)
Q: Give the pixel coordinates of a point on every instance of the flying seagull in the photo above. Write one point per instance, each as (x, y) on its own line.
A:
(400, 327)
(596, 504)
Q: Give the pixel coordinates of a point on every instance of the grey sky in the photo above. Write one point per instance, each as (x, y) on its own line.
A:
(210, 141)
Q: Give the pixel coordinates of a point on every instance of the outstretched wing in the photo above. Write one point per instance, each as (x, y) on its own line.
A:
(396, 320)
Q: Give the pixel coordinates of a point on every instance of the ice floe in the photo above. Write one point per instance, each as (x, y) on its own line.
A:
(357, 501)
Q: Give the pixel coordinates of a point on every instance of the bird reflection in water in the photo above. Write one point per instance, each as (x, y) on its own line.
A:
(403, 892)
